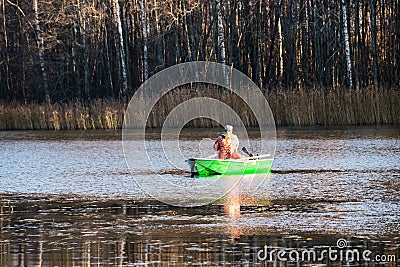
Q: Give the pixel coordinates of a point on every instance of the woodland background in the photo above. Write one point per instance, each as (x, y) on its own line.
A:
(75, 64)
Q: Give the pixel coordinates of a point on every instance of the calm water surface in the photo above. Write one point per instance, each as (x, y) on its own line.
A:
(68, 199)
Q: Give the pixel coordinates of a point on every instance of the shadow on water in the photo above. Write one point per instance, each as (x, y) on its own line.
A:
(305, 171)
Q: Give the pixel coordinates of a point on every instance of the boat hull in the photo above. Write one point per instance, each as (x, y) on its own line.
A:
(209, 167)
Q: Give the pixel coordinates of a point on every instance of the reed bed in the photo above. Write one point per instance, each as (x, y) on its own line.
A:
(290, 108)
(334, 107)
(100, 114)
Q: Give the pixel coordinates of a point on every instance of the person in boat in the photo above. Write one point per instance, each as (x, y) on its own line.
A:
(227, 144)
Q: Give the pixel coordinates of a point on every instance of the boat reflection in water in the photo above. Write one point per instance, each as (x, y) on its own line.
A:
(241, 196)
(65, 205)
(51, 231)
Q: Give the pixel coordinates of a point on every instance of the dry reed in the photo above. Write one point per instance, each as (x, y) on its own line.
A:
(100, 114)
(336, 107)
(290, 108)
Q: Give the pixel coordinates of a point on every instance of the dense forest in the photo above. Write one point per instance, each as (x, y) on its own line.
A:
(58, 51)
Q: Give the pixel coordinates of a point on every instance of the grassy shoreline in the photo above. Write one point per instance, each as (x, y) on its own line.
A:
(290, 108)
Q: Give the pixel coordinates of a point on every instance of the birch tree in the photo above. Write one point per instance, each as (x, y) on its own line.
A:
(357, 45)
(5, 49)
(259, 45)
(39, 43)
(221, 33)
(144, 36)
(83, 48)
(280, 44)
(346, 43)
(121, 47)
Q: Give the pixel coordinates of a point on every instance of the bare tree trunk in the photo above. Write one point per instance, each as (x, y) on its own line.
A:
(5, 50)
(160, 43)
(108, 56)
(347, 44)
(305, 44)
(235, 52)
(221, 33)
(374, 50)
(259, 45)
(215, 48)
(275, 22)
(177, 46)
(74, 57)
(41, 53)
(201, 44)
(121, 48)
(86, 86)
(364, 53)
(280, 44)
(144, 36)
(7, 87)
(188, 35)
(397, 42)
(357, 45)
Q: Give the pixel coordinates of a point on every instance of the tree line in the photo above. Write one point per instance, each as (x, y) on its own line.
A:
(60, 51)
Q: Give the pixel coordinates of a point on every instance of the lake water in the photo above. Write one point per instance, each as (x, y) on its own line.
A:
(68, 199)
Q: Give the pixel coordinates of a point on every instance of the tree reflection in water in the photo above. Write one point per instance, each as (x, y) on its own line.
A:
(119, 233)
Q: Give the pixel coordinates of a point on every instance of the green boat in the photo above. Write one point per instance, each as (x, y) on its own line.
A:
(202, 167)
